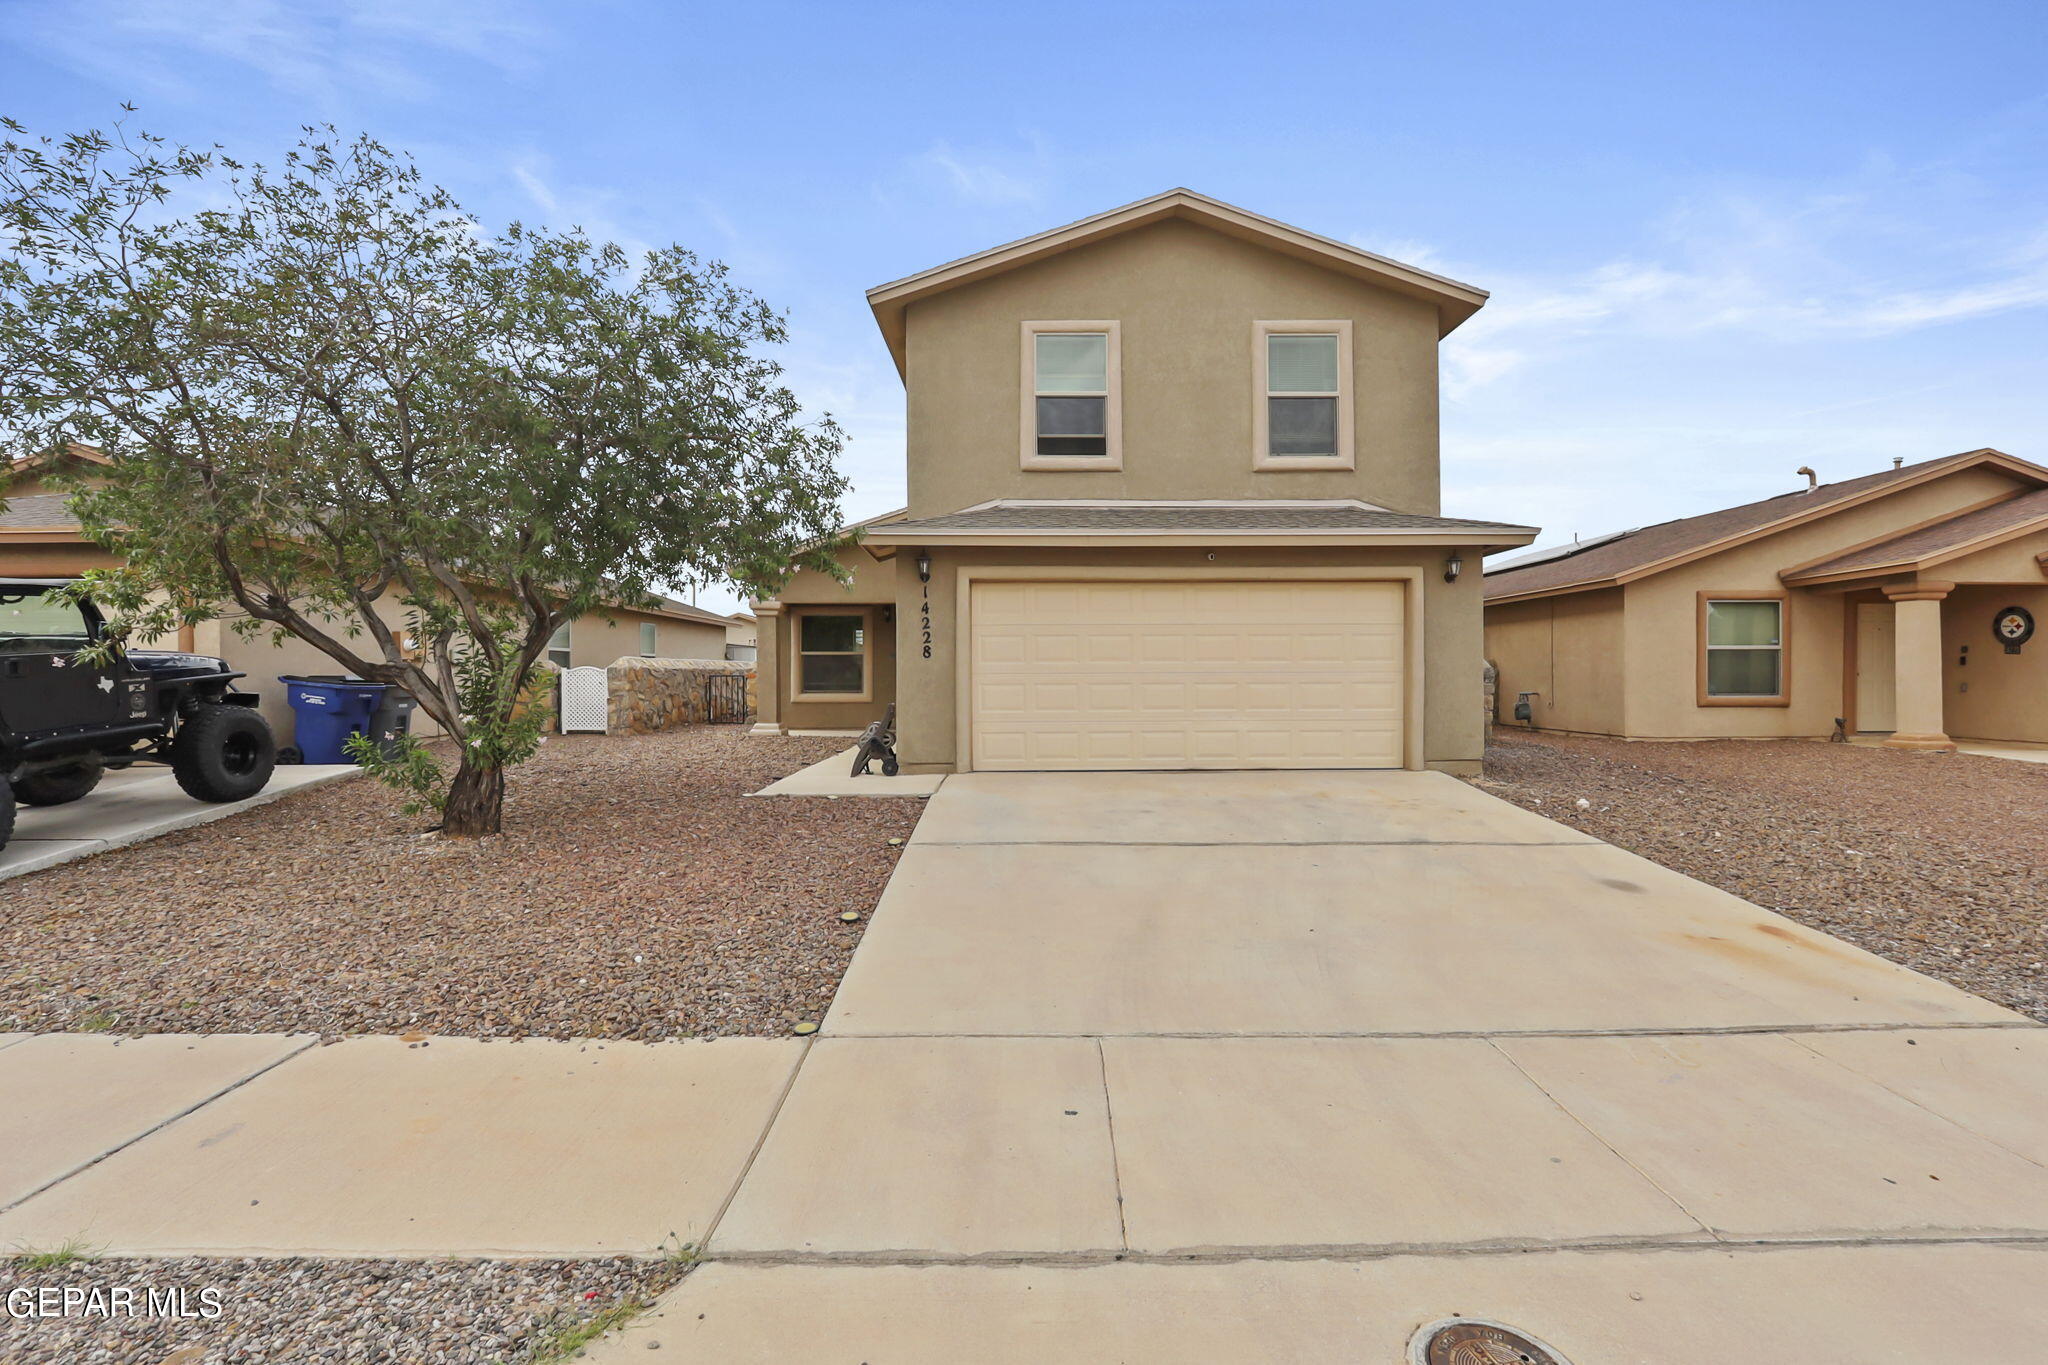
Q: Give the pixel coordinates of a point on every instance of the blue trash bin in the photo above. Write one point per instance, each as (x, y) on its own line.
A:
(326, 710)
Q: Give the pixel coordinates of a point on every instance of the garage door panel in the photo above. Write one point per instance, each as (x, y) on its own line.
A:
(1170, 675)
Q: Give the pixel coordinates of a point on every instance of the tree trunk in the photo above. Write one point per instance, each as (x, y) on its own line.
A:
(476, 801)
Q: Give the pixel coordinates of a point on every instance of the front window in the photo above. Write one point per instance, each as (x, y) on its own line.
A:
(832, 654)
(1072, 393)
(1070, 396)
(558, 646)
(1301, 394)
(40, 622)
(1304, 412)
(1745, 648)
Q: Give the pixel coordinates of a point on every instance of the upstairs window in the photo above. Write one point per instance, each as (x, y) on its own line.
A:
(1303, 395)
(1071, 403)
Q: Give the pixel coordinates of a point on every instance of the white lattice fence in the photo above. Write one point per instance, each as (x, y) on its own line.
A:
(585, 699)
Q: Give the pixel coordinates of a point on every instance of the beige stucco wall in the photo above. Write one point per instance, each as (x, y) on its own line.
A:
(597, 640)
(1568, 650)
(871, 587)
(1452, 724)
(1663, 646)
(1185, 298)
(1995, 695)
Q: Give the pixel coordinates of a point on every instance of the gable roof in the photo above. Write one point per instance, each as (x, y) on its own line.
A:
(1925, 546)
(1454, 302)
(1608, 560)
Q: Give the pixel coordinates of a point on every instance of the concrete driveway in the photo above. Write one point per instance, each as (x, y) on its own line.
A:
(132, 805)
(1252, 1067)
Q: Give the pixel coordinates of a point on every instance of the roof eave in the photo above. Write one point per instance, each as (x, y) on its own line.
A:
(1486, 538)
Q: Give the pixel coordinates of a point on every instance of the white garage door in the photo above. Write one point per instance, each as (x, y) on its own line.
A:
(1187, 675)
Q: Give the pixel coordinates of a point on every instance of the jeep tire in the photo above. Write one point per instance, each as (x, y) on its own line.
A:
(6, 813)
(223, 753)
(58, 786)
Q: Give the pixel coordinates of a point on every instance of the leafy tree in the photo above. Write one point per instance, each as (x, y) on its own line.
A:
(330, 386)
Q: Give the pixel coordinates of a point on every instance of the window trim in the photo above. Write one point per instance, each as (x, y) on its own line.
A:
(1783, 696)
(867, 653)
(1347, 454)
(650, 639)
(1112, 458)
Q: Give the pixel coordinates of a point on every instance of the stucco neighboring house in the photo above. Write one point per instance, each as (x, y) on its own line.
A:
(742, 637)
(39, 538)
(1898, 602)
(1173, 502)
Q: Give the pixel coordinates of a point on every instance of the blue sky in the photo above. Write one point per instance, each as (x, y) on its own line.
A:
(1723, 241)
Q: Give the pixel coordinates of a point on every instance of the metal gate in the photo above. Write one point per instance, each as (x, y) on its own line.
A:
(585, 692)
(725, 698)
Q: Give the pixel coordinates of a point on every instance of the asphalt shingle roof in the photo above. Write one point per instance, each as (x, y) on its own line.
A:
(38, 512)
(1912, 546)
(1605, 559)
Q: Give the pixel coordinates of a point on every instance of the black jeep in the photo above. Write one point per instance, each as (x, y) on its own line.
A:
(64, 723)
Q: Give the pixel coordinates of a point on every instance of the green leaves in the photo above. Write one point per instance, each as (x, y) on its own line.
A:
(332, 398)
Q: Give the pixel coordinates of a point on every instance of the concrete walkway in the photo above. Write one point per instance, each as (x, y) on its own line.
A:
(1251, 1067)
(132, 805)
(239, 1145)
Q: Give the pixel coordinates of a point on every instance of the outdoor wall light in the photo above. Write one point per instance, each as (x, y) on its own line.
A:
(924, 566)
(1453, 567)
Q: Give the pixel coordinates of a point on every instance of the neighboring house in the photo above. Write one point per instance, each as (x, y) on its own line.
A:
(1899, 602)
(1173, 503)
(742, 637)
(39, 538)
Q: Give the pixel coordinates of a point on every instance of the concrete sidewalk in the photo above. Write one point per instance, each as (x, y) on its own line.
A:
(132, 805)
(231, 1145)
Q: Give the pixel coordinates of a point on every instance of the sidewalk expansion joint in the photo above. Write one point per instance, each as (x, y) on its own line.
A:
(1378, 1251)
(1655, 1031)
(312, 1041)
(754, 1154)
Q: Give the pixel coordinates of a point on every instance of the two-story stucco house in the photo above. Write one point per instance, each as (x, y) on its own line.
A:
(1173, 503)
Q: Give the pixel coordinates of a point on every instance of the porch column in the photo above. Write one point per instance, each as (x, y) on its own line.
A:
(767, 668)
(1916, 629)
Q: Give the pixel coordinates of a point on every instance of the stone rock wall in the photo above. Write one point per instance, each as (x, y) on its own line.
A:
(645, 695)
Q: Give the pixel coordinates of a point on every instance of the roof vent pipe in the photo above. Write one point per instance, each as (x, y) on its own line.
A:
(1898, 462)
(1812, 479)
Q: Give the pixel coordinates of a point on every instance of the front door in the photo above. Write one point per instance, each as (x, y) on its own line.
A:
(42, 687)
(1876, 668)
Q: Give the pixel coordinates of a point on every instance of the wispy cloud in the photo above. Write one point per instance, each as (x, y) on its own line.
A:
(1831, 265)
(988, 177)
(316, 50)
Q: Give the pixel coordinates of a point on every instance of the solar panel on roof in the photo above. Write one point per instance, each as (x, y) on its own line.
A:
(1555, 552)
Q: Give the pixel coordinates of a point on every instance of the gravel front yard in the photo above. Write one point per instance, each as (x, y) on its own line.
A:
(1936, 861)
(280, 1311)
(637, 893)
